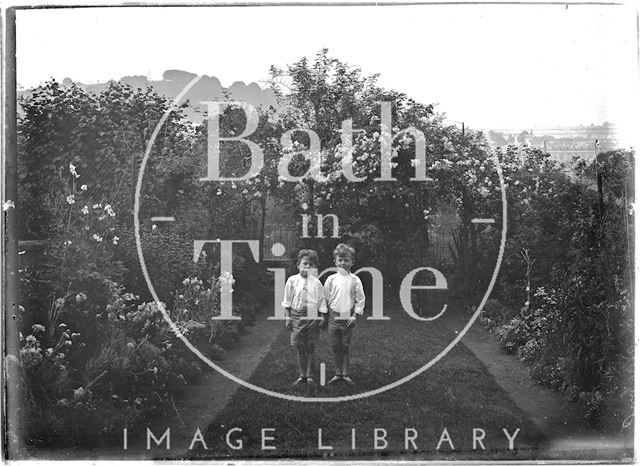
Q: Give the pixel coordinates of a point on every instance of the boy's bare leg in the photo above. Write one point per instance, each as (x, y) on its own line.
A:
(346, 367)
(310, 359)
(345, 361)
(337, 361)
(302, 362)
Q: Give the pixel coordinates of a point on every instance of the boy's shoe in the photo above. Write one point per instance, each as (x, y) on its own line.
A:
(335, 378)
(311, 381)
(300, 381)
(347, 379)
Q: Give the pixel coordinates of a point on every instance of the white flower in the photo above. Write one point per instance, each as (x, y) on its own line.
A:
(72, 169)
(109, 210)
(376, 135)
(415, 162)
(85, 210)
(96, 206)
(304, 206)
(115, 239)
(227, 278)
(83, 187)
(154, 226)
(37, 328)
(97, 237)
(71, 199)
(8, 205)
(68, 242)
(78, 393)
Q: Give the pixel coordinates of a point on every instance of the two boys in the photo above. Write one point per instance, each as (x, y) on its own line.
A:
(340, 302)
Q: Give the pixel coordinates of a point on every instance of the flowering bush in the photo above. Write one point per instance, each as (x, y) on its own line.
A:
(575, 331)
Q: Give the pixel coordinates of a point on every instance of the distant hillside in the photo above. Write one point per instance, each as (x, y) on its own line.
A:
(206, 89)
(562, 143)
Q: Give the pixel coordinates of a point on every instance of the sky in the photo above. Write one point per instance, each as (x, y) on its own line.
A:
(491, 66)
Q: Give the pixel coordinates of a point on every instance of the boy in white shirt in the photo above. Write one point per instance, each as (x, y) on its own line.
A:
(303, 296)
(345, 302)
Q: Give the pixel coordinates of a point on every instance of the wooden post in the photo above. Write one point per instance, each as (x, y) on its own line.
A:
(13, 399)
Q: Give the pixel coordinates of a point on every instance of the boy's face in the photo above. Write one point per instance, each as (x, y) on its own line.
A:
(344, 262)
(304, 266)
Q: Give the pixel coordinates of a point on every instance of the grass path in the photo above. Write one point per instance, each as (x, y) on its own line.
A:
(474, 386)
(196, 408)
(567, 434)
(458, 394)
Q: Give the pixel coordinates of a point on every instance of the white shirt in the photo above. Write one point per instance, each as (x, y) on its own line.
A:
(302, 291)
(344, 292)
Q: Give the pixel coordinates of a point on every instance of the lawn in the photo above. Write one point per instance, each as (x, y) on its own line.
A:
(457, 393)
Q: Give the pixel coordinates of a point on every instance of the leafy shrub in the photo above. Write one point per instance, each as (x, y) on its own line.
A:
(494, 313)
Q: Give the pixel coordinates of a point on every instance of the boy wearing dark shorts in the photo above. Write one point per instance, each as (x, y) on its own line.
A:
(303, 300)
(345, 302)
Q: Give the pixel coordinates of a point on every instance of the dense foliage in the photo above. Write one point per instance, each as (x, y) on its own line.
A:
(97, 346)
(98, 355)
(567, 283)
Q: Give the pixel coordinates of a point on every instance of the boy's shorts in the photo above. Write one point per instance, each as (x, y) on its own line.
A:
(305, 332)
(339, 333)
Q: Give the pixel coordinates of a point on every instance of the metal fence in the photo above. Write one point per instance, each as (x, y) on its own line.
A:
(440, 238)
(286, 235)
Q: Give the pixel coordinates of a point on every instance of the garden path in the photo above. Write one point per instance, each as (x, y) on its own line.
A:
(202, 402)
(199, 405)
(562, 422)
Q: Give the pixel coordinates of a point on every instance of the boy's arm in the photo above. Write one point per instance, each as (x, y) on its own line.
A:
(286, 304)
(358, 308)
(360, 298)
(327, 299)
(322, 300)
(328, 289)
(322, 306)
(288, 293)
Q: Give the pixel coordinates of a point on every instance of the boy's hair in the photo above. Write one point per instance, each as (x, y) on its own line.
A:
(309, 254)
(344, 250)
